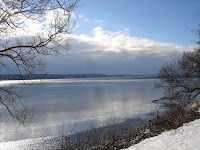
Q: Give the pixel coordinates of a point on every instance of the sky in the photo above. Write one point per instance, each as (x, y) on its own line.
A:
(128, 36)
(161, 20)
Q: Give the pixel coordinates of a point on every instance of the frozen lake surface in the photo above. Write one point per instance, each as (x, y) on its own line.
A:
(63, 105)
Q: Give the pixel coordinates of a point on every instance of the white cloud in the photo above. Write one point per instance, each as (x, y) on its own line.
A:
(76, 26)
(116, 53)
(99, 20)
(110, 52)
(39, 24)
(80, 16)
(121, 41)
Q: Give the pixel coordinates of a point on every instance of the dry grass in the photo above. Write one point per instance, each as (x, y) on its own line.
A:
(109, 138)
(172, 119)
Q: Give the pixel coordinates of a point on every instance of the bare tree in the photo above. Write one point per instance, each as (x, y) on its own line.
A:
(29, 30)
(181, 80)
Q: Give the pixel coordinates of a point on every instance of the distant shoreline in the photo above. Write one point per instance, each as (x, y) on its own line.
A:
(68, 76)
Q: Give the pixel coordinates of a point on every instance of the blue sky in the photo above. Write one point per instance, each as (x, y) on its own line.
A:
(129, 36)
(161, 20)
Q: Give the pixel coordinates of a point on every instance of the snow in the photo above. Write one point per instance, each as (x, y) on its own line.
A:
(33, 144)
(183, 138)
(186, 137)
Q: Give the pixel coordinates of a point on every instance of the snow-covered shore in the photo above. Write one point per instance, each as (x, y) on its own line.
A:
(30, 144)
(186, 137)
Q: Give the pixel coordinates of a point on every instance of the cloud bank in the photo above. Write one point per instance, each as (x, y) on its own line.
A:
(115, 53)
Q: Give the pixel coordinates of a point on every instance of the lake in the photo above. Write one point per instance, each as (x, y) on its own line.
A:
(73, 105)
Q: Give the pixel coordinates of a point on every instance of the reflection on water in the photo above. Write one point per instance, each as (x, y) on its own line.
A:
(76, 104)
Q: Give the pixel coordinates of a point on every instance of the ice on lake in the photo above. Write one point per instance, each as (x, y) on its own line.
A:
(73, 105)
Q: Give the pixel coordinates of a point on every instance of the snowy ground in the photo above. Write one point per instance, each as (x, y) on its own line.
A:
(47, 143)
(183, 138)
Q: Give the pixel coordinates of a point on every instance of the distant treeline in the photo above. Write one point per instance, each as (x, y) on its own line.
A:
(64, 76)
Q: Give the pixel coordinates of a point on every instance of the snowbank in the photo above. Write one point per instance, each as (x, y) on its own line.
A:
(183, 138)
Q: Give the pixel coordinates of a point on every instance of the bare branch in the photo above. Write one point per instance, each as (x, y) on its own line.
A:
(181, 80)
(30, 30)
